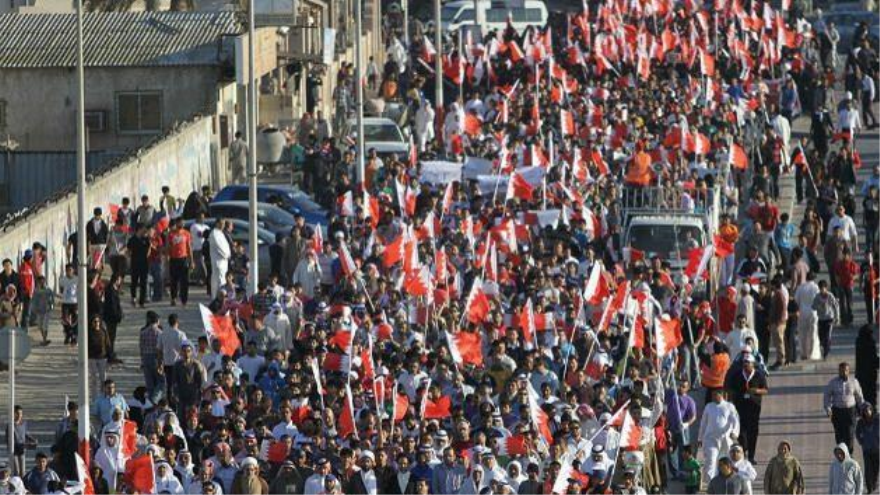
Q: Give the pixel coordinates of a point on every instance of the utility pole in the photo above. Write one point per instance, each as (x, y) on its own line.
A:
(82, 256)
(253, 248)
(438, 67)
(359, 88)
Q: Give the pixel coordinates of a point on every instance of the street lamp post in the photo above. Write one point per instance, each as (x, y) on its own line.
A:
(359, 88)
(253, 250)
(438, 65)
(82, 255)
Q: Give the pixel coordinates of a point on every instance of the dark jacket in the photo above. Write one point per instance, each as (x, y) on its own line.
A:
(112, 310)
(99, 235)
(732, 484)
(288, 482)
(99, 343)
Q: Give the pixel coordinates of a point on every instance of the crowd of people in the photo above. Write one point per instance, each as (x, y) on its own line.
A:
(493, 334)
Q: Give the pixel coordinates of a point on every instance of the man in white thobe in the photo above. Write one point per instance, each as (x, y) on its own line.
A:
(221, 251)
(808, 322)
(719, 428)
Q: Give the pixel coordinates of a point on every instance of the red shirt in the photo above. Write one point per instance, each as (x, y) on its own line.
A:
(845, 272)
(179, 244)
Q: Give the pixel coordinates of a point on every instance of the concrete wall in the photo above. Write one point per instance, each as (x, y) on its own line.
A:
(183, 161)
(41, 103)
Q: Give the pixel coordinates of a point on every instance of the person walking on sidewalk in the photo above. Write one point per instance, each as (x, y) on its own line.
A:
(868, 435)
(180, 259)
(845, 474)
(827, 314)
(843, 395)
(784, 474)
(112, 314)
(845, 272)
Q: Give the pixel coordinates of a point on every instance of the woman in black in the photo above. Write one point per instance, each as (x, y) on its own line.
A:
(867, 362)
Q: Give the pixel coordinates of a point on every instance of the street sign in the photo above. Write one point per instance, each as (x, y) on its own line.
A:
(21, 341)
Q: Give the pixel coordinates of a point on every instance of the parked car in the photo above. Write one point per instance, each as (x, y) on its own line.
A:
(382, 135)
(288, 198)
(241, 233)
(458, 13)
(269, 216)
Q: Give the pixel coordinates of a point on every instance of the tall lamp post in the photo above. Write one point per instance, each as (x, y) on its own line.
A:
(82, 255)
(253, 250)
(359, 88)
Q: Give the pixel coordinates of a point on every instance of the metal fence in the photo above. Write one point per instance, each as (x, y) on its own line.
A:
(27, 177)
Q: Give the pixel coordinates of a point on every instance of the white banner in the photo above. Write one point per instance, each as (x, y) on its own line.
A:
(440, 173)
(474, 167)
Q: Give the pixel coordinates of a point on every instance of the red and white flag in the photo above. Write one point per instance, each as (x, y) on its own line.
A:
(345, 204)
(419, 283)
(630, 433)
(527, 324)
(539, 417)
(346, 425)
(738, 157)
(476, 307)
(447, 198)
(87, 487)
(668, 335)
(566, 123)
(349, 268)
(318, 240)
(466, 348)
(513, 445)
(399, 406)
(140, 474)
(220, 327)
(394, 251)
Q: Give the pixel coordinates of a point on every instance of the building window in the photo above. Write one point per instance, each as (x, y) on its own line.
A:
(139, 113)
(2, 114)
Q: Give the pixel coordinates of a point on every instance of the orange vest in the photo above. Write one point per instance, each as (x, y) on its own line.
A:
(713, 376)
(639, 173)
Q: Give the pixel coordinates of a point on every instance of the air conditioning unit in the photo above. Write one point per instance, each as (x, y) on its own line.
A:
(96, 120)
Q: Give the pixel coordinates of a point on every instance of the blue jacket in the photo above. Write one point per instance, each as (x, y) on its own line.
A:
(868, 434)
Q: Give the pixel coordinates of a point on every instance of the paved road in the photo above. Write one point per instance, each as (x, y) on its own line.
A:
(792, 411)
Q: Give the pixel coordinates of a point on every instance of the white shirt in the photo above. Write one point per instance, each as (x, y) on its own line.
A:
(168, 344)
(719, 420)
(746, 471)
(849, 119)
(369, 478)
(314, 485)
(197, 231)
(220, 249)
(251, 366)
(282, 429)
(736, 339)
(804, 296)
(846, 223)
(68, 289)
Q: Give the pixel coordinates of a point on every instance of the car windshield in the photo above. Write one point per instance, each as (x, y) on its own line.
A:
(304, 202)
(447, 14)
(382, 132)
(275, 216)
(667, 241)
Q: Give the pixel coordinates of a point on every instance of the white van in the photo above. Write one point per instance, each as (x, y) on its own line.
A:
(458, 13)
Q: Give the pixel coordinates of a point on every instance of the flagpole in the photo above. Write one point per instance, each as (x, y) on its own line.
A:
(81, 247)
